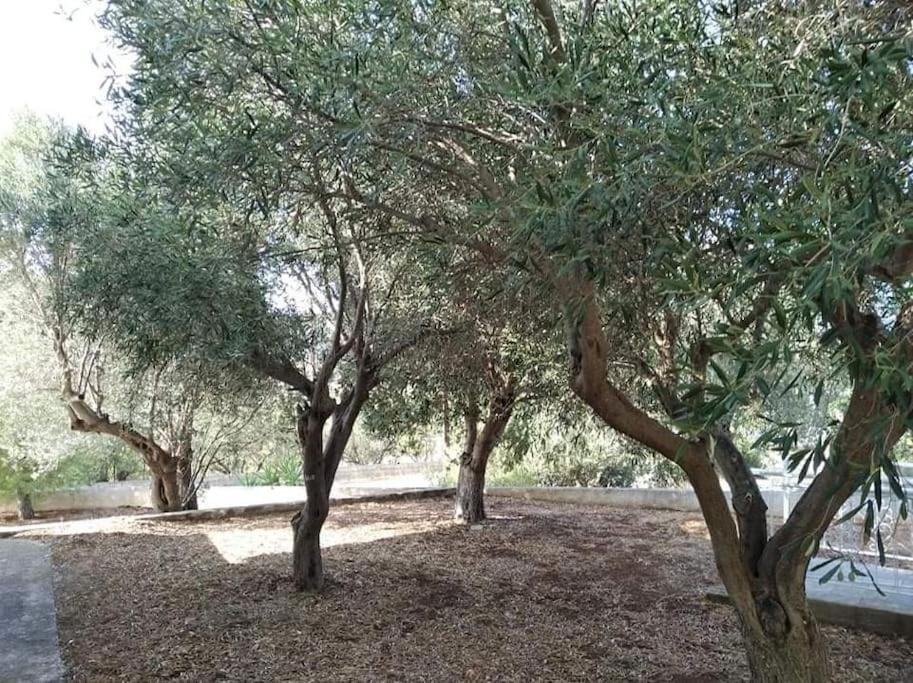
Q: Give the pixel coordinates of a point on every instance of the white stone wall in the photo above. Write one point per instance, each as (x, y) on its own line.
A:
(224, 491)
(683, 500)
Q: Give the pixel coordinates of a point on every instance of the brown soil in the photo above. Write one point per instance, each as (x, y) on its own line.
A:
(541, 592)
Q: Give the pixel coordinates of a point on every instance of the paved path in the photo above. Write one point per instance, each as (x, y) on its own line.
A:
(857, 604)
(29, 651)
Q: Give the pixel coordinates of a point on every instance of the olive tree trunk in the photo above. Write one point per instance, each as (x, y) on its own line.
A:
(166, 492)
(307, 558)
(781, 637)
(797, 656)
(173, 485)
(478, 446)
(187, 486)
(764, 576)
(470, 502)
(24, 505)
(321, 453)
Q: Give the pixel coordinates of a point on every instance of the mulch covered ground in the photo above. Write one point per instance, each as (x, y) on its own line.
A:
(541, 592)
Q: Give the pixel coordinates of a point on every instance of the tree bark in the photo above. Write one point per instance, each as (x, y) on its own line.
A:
(186, 490)
(186, 485)
(320, 458)
(165, 493)
(307, 559)
(801, 658)
(782, 642)
(470, 502)
(24, 506)
(469, 506)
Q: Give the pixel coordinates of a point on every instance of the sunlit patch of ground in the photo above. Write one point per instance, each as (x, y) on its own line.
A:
(541, 592)
(695, 527)
(239, 545)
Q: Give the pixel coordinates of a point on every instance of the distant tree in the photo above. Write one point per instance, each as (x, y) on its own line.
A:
(39, 452)
(249, 278)
(32, 442)
(490, 364)
(52, 187)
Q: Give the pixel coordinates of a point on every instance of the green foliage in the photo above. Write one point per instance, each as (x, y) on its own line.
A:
(727, 193)
(284, 472)
(93, 460)
(17, 475)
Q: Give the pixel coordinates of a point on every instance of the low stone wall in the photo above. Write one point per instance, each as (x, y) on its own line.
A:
(221, 491)
(377, 495)
(374, 496)
(683, 500)
(97, 496)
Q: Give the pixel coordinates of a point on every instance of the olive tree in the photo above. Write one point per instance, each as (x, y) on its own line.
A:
(56, 187)
(32, 443)
(478, 376)
(744, 183)
(262, 261)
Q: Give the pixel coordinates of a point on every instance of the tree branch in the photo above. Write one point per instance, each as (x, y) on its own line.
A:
(547, 17)
(282, 370)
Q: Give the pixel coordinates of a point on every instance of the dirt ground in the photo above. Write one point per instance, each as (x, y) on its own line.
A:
(541, 592)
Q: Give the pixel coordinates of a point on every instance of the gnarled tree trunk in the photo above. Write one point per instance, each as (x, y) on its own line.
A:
(307, 558)
(165, 493)
(470, 502)
(765, 577)
(320, 460)
(171, 470)
(779, 632)
(478, 446)
(24, 505)
(796, 656)
(186, 489)
(469, 506)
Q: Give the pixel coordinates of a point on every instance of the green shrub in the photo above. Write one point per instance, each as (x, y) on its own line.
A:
(284, 472)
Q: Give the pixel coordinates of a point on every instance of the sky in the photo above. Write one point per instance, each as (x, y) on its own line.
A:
(46, 51)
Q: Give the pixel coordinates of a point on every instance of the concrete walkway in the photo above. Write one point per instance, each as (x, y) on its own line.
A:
(29, 651)
(856, 604)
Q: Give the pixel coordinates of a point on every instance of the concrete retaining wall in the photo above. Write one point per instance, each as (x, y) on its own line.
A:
(221, 491)
(372, 496)
(232, 496)
(683, 500)
(97, 496)
(375, 496)
(663, 499)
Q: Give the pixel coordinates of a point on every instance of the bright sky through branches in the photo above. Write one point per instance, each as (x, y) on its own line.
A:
(46, 51)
